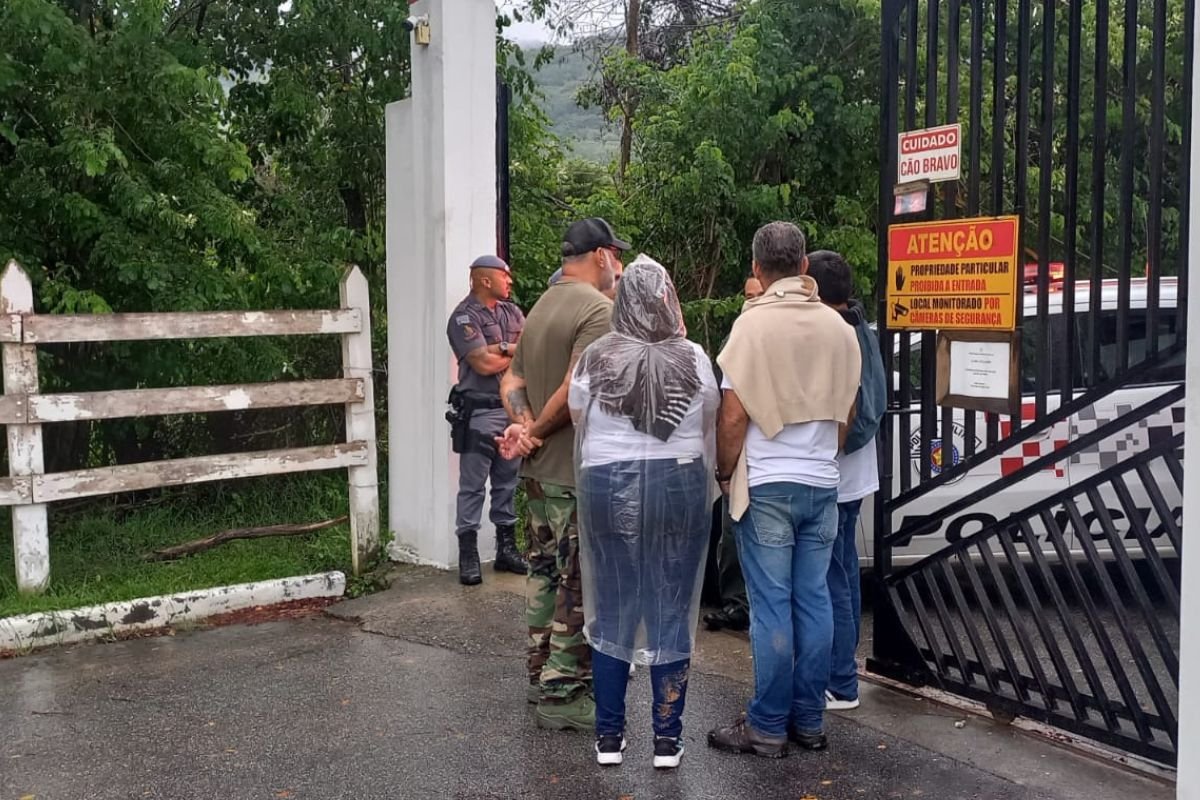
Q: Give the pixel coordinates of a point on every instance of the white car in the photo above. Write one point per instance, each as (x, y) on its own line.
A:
(1063, 475)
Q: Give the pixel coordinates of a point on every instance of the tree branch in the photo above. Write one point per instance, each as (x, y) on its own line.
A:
(198, 545)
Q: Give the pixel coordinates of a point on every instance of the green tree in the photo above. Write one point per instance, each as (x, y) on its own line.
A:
(123, 188)
(773, 116)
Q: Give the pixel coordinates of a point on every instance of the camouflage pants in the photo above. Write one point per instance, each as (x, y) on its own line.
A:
(559, 656)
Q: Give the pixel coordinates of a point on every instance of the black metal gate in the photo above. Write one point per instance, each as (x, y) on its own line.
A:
(1031, 562)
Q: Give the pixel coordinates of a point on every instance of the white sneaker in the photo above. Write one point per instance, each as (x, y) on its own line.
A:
(632, 668)
(833, 703)
(610, 750)
(667, 752)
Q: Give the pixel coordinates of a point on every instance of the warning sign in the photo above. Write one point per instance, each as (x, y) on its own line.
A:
(953, 275)
(932, 154)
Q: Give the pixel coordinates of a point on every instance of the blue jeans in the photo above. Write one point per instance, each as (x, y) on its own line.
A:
(611, 677)
(846, 595)
(785, 541)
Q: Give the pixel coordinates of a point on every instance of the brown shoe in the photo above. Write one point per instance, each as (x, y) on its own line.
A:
(740, 737)
(808, 741)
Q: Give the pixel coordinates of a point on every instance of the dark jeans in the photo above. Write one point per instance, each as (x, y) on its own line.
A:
(645, 525)
(845, 593)
(669, 681)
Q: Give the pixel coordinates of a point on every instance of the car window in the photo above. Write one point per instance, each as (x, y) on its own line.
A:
(1170, 371)
(1030, 338)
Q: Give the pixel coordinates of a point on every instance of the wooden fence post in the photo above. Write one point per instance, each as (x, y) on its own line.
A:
(360, 424)
(31, 540)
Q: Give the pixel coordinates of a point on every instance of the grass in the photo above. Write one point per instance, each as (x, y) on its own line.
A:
(95, 552)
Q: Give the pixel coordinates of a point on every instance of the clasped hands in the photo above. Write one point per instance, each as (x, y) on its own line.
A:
(516, 442)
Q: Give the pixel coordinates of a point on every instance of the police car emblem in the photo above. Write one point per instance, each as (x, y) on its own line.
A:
(942, 456)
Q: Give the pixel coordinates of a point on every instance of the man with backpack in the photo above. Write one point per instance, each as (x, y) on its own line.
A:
(858, 465)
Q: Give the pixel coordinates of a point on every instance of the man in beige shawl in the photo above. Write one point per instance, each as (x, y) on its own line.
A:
(791, 372)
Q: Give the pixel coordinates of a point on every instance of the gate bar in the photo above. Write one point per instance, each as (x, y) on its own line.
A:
(1099, 191)
(1157, 134)
(1071, 198)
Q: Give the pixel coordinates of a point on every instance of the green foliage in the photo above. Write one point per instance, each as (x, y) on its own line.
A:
(125, 187)
(549, 188)
(773, 116)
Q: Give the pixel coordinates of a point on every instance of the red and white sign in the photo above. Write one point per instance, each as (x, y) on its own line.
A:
(933, 154)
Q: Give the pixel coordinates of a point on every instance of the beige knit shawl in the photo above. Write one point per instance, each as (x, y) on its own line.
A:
(790, 359)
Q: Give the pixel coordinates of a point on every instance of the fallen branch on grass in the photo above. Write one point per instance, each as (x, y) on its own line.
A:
(198, 545)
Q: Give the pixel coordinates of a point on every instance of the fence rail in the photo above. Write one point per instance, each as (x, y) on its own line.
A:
(23, 410)
(59, 329)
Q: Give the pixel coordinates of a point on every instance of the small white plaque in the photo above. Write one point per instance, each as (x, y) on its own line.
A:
(980, 369)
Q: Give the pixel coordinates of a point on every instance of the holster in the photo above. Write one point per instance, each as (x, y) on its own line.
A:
(463, 404)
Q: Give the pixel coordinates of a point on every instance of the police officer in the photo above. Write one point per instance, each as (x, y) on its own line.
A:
(483, 332)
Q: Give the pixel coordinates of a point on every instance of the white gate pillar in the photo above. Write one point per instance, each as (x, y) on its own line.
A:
(1188, 785)
(441, 214)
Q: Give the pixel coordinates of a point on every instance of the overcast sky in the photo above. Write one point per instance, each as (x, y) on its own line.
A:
(525, 32)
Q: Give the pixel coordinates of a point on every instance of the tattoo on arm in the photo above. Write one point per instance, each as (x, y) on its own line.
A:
(519, 401)
(515, 398)
(518, 404)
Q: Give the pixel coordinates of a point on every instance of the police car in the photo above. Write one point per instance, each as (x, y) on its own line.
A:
(1071, 471)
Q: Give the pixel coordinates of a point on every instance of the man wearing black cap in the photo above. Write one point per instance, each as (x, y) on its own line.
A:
(483, 332)
(570, 315)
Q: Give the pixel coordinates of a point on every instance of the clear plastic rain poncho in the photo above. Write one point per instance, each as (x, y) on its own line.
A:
(644, 402)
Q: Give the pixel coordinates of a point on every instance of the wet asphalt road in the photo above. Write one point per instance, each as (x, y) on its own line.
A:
(418, 692)
(320, 709)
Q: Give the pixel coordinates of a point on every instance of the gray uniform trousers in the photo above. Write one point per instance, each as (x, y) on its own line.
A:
(474, 470)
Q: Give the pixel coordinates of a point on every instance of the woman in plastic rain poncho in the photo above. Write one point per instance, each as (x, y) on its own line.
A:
(644, 402)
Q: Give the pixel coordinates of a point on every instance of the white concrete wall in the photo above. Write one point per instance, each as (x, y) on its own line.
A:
(441, 214)
(1188, 785)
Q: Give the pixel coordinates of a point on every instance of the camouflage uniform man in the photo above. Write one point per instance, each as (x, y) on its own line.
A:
(483, 331)
(569, 316)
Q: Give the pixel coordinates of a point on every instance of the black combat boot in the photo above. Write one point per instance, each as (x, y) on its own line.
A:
(468, 559)
(507, 557)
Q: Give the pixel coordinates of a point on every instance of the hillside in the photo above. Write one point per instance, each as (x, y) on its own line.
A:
(583, 129)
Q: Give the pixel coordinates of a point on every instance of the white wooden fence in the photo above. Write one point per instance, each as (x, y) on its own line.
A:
(23, 410)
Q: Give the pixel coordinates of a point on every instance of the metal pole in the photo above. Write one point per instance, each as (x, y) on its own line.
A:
(1188, 786)
(503, 219)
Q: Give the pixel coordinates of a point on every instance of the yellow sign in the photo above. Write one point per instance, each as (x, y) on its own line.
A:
(954, 275)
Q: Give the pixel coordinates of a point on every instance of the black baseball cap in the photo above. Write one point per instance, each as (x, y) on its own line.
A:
(490, 262)
(590, 234)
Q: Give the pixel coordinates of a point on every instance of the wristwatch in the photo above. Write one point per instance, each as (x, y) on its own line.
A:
(504, 348)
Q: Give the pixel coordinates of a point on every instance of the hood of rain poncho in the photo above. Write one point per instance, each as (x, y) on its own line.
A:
(644, 401)
(645, 369)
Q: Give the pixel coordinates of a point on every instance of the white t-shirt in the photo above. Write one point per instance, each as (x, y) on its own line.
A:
(805, 452)
(860, 473)
(609, 438)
